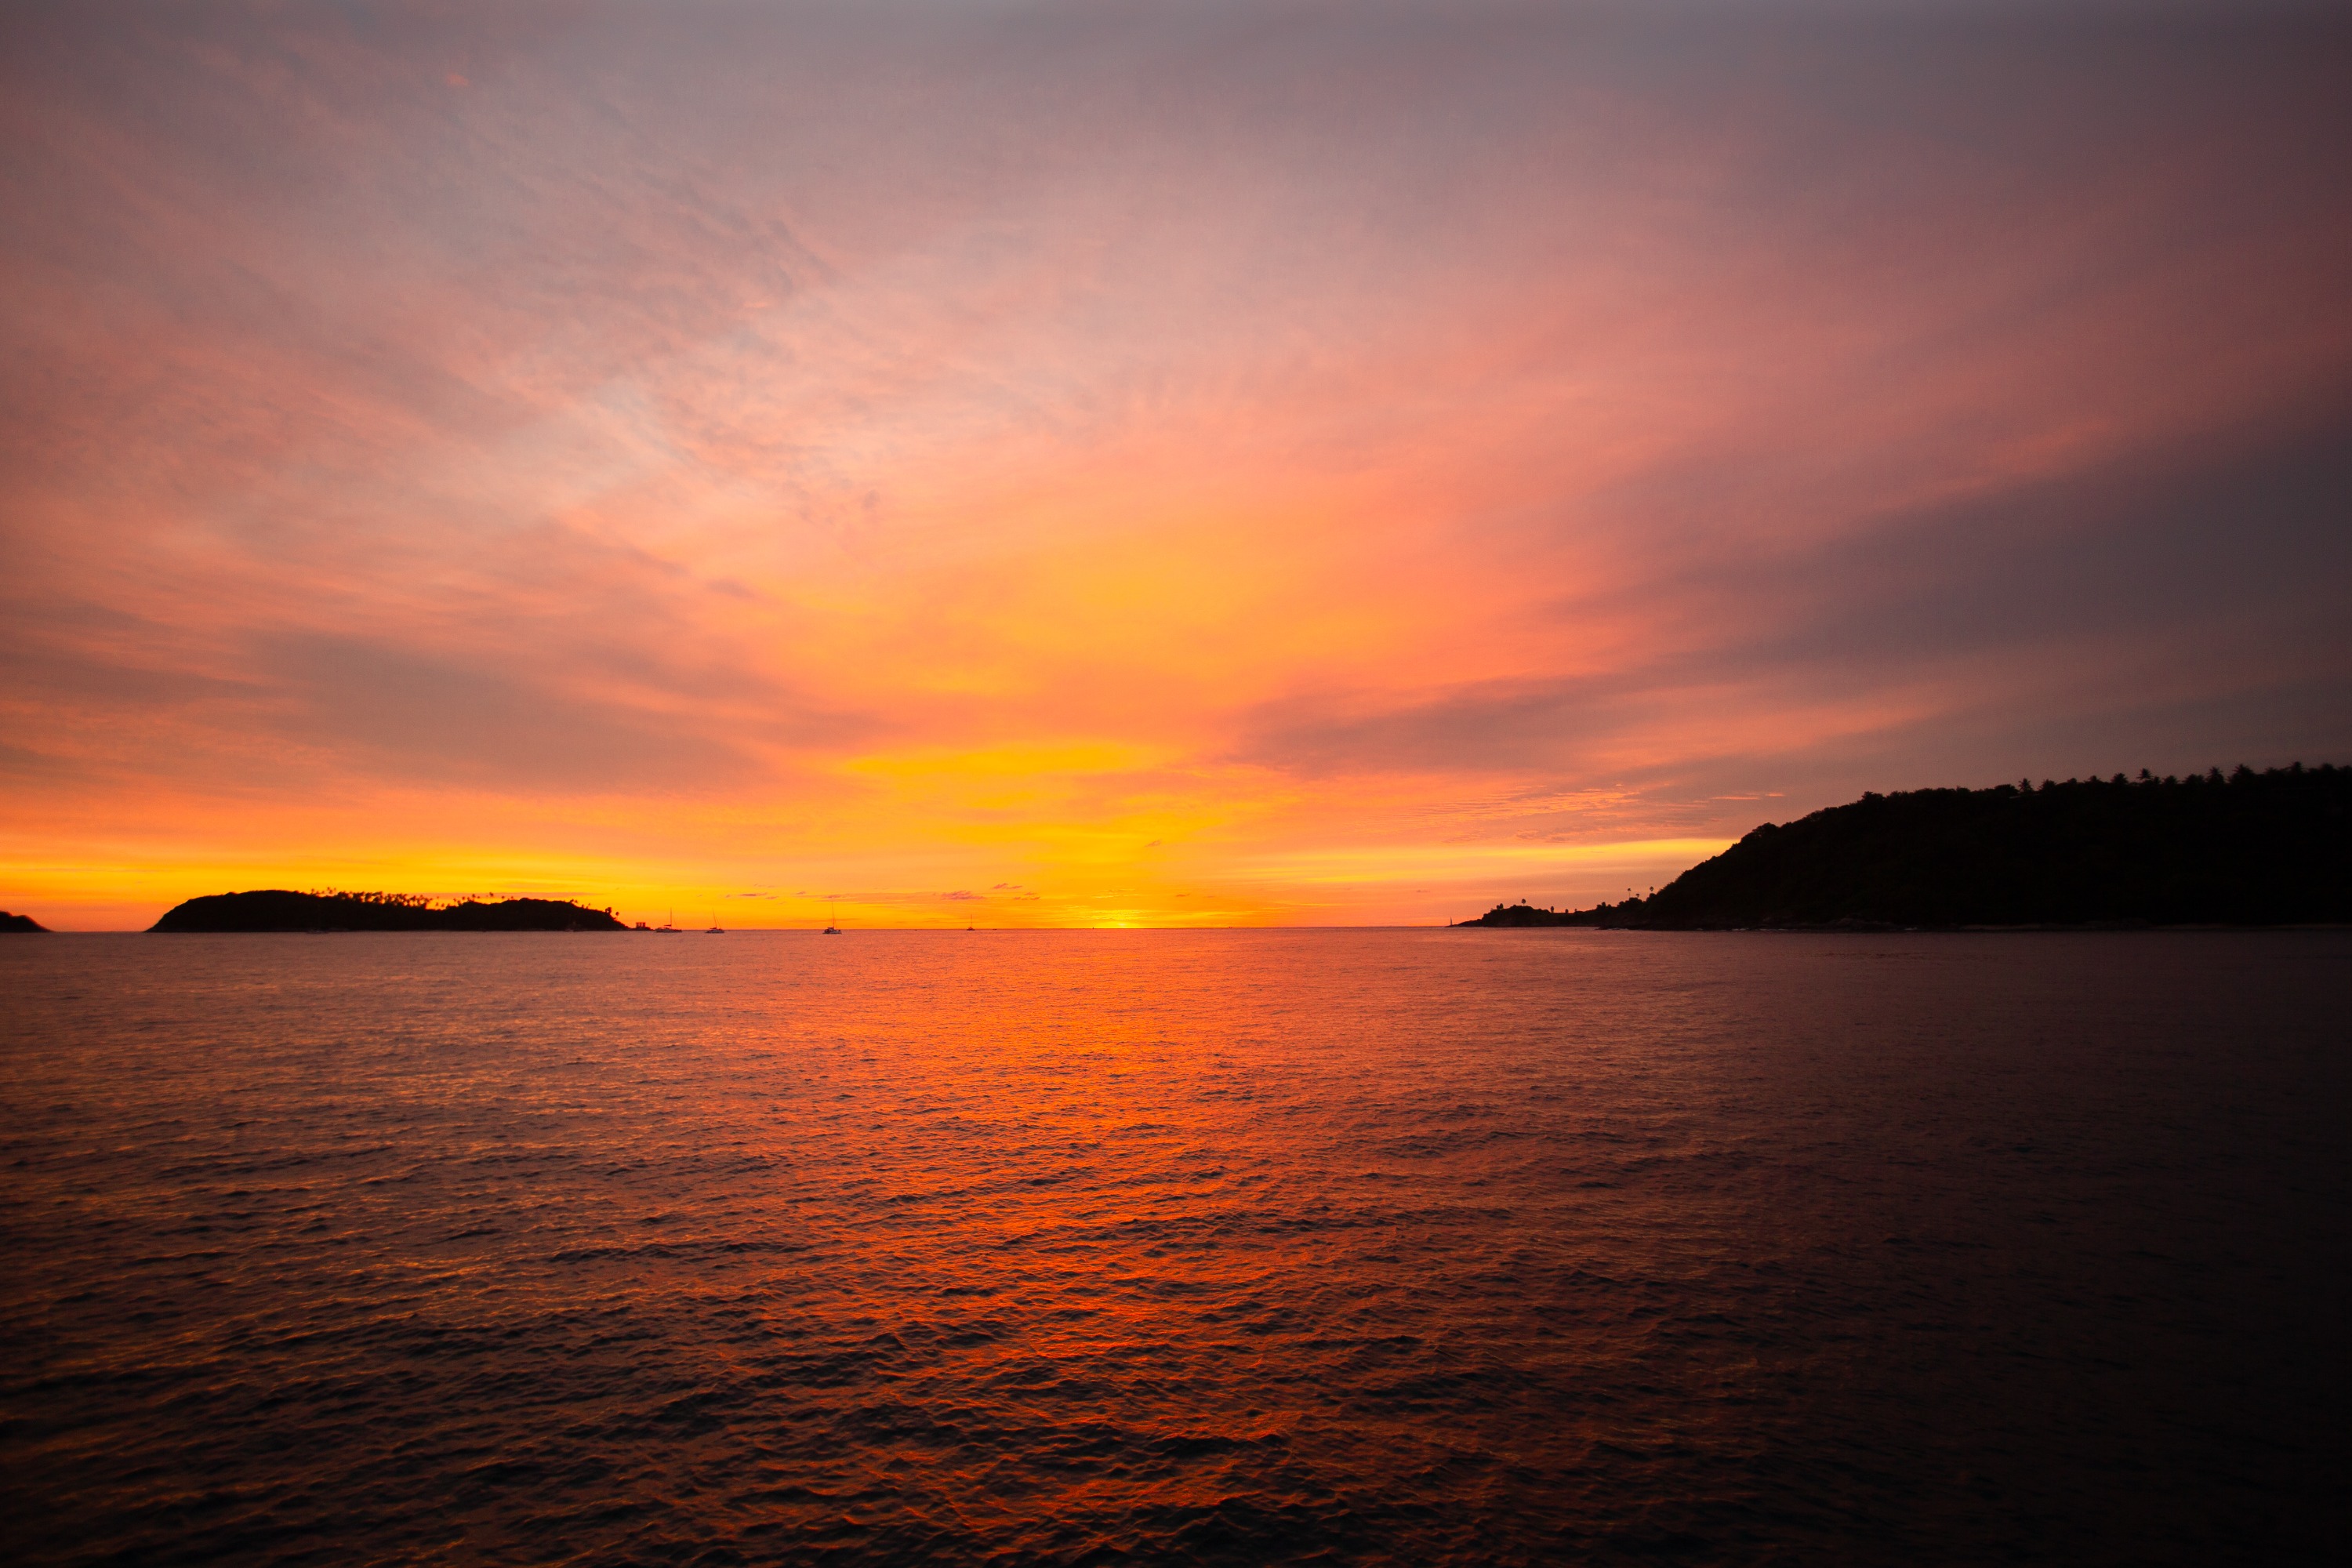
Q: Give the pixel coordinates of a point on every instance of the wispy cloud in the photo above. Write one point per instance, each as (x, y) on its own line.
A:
(1116, 458)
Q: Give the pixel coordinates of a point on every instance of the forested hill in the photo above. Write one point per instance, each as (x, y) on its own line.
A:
(275, 909)
(2266, 848)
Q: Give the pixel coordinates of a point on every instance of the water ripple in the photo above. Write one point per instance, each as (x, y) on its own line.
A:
(1380, 1247)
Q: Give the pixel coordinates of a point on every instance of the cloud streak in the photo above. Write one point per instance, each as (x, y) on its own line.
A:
(1127, 454)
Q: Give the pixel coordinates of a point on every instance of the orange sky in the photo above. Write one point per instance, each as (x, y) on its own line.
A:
(1068, 465)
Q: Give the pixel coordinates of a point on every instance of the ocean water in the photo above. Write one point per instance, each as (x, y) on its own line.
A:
(1404, 1247)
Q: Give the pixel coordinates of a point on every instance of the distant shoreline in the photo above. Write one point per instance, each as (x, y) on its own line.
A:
(2119, 928)
(279, 910)
(1863, 928)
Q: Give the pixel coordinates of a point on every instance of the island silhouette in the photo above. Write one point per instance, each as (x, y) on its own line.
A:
(9, 923)
(2253, 849)
(277, 910)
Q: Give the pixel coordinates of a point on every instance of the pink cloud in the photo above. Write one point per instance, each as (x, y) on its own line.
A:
(968, 437)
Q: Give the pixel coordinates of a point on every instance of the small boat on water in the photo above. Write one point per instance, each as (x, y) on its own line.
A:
(832, 929)
(716, 930)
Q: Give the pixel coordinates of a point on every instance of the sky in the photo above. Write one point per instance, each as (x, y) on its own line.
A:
(1141, 464)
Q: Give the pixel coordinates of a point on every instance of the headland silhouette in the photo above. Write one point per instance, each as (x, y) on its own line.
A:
(9, 923)
(2253, 849)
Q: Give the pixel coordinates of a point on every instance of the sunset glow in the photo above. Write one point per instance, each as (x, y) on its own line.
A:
(1170, 464)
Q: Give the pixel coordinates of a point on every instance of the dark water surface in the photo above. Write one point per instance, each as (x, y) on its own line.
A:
(1367, 1247)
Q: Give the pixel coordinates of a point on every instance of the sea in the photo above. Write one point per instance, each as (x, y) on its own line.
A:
(1400, 1246)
